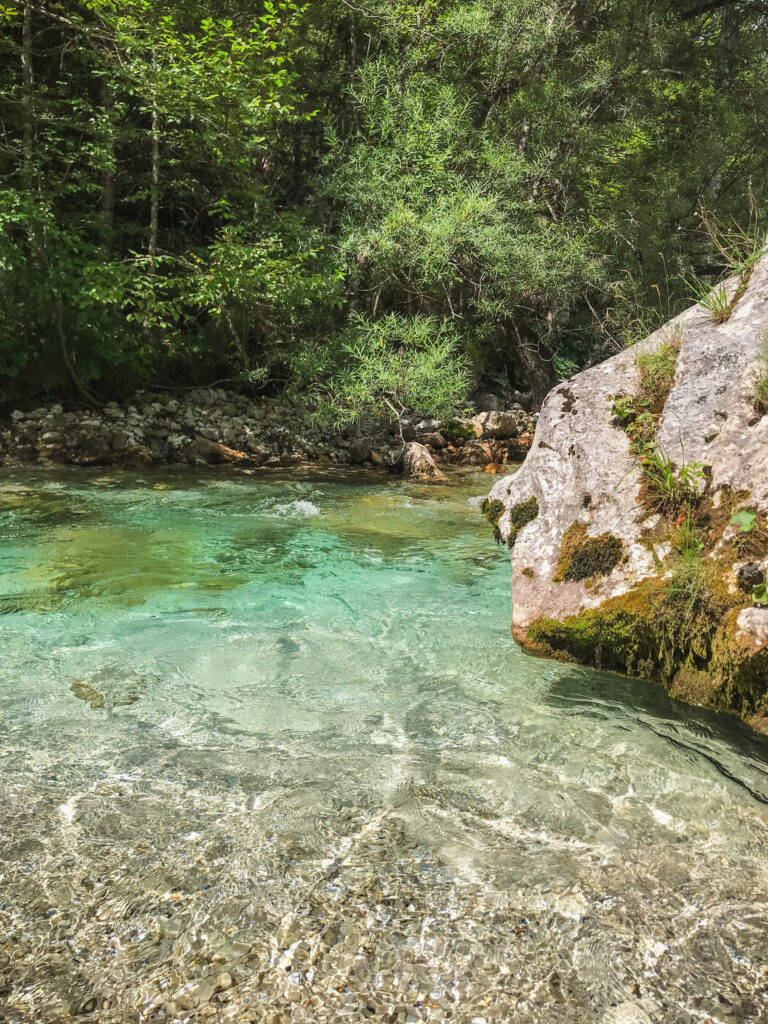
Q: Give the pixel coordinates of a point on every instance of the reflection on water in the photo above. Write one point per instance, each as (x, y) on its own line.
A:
(269, 753)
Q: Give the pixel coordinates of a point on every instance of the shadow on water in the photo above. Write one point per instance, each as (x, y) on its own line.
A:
(721, 739)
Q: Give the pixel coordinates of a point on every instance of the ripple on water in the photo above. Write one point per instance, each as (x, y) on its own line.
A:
(334, 789)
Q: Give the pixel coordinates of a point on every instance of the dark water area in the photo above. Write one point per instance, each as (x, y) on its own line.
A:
(268, 752)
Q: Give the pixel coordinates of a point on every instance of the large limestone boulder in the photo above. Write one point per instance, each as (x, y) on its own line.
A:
(590, 544)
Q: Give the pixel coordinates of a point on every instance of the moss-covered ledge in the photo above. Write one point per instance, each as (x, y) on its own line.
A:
(632, 634)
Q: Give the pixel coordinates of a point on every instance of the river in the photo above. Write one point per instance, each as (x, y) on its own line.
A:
(268, 752)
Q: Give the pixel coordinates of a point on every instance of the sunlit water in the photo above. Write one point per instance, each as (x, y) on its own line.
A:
(268, 751)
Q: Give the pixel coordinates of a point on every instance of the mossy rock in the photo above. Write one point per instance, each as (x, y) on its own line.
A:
(742, 671)
(493, 510)
(627, 634)
(695, 687)
(620, 635)
(583, 557)
(519, 516)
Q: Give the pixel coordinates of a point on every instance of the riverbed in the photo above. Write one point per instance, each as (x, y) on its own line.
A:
(268, 752)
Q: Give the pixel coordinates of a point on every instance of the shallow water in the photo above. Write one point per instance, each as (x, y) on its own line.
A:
(273, 731)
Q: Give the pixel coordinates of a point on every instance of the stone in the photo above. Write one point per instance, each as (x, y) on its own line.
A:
(433, 438)
(750, 575)
(489, 403)
(359, 452)
(582, 473)
(203, 450)
(120, 441)
(474, 453)
(497, 424)
(418, 463)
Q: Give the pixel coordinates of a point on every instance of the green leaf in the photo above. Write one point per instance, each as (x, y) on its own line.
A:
(745, 520)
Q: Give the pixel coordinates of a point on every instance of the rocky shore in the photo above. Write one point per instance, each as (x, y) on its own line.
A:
(211, 426)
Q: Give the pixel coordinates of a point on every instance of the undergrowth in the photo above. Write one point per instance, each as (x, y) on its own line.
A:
(670, 489)
(739, 249)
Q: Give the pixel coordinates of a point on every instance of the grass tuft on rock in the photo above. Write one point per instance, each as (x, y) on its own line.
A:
(657, 372)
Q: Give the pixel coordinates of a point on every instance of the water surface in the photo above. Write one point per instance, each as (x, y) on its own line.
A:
(270, 734)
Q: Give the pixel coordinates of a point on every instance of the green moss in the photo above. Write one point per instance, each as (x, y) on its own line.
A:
(619, 635)
(457, 431)
(528, 573)
(742, 672)
(654, 633)
(583, 557)
(493, 511)
(519, 516)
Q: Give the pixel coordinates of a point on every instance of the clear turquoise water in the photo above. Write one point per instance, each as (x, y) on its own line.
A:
(275, 726)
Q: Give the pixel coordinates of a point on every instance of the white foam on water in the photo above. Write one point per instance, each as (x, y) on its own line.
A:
(297, 508)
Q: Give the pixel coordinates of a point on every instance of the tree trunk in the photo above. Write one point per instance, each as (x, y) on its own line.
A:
(28, 93)
(154, 188)
(107, 204)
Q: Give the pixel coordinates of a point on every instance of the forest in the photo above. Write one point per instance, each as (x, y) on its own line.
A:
(310, 198)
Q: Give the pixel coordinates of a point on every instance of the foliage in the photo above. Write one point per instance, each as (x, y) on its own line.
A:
(673, 488)
(745, 521)
(395, 364)
(212, 188)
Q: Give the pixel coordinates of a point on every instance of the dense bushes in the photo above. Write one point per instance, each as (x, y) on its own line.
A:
(212, 189)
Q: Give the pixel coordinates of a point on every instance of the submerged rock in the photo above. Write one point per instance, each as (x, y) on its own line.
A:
(637, 468)
(112, 687)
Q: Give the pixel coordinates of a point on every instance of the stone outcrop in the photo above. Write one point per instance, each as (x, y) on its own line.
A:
(602, 548)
